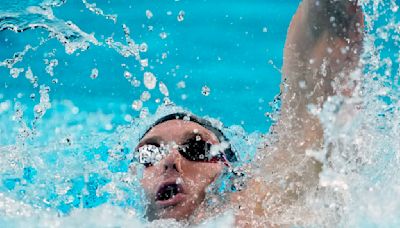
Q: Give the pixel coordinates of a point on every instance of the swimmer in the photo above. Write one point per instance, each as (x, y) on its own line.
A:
(322, 48)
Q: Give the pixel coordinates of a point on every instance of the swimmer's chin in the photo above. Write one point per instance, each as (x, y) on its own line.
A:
(178, 212)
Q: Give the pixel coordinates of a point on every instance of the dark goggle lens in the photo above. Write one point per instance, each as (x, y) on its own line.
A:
(196, 150)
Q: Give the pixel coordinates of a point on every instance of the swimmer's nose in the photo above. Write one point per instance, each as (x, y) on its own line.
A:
(172, 162)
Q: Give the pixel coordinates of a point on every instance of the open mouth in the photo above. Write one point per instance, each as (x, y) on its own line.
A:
(168, 191)
(170, 194)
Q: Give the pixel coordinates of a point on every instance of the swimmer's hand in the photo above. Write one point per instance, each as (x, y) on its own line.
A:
(340, 17)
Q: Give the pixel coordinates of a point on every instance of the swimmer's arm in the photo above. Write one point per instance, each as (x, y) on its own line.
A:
(323, 46)
(317, 53)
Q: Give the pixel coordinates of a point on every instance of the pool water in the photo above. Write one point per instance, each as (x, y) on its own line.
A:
(239, 64)
(81, 80)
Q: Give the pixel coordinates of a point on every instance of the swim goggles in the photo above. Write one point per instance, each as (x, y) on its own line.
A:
(194, 149)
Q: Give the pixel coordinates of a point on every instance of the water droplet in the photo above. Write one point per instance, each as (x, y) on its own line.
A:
(149, 80)
(143, 47)
(164, 55)
(181, 85)
(149, 14)
(205, 90)
(145, 96)
(394, 8)
(144, 62)
(144, 113)
(127, 75)
(137, 105)
(169, 13)
(94, 74)
(181, 16)
(74, 110)
(135, 82)
(108, 127)
(302, 84)
(16, 71)
(167, 101)
(38, 109)
(265, 29)
(128, 118)
(163, 35)
(163, 89)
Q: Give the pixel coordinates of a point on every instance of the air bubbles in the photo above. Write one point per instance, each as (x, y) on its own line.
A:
(205, 90)
(149, 80)
(94, 74)
(181, 16)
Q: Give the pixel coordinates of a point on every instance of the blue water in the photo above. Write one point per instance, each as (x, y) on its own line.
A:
(220, 44)
(82, 145)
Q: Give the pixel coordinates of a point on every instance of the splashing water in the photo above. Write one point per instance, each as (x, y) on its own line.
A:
(69, 166)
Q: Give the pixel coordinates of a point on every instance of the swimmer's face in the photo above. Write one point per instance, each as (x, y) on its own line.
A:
(175, 186)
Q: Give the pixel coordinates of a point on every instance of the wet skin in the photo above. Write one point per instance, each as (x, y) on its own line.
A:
(189, 178)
